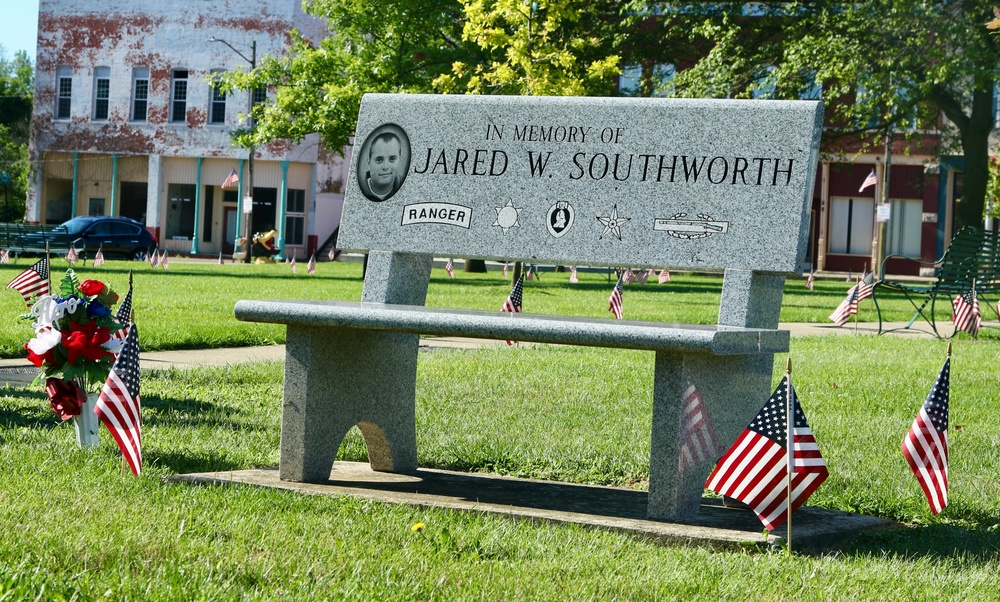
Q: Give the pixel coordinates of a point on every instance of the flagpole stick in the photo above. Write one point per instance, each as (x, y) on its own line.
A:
(790, 433)
(48, 260)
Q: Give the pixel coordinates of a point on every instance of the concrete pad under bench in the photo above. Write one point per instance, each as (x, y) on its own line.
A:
(611, 508)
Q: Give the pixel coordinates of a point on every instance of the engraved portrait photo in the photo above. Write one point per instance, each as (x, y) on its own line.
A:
(383, 161)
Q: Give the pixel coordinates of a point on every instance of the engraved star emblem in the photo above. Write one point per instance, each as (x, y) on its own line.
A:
(613, 223)
(508, 216)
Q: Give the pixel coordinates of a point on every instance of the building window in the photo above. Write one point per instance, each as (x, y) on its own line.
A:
(851, 222)
(295, 217)
(763, 85)
(663, 79)
(630, 81)
(903, 229)
(178, 96)
(259, 96)
(217, 103)
(102, 92)
(140, 93)
(64, 92)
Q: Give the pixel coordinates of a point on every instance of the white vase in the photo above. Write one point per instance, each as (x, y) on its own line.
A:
(87, 425)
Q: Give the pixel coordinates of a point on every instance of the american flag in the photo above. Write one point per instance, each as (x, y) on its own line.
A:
(513, 302)
(531, 275)
(866, 285)
(809, 281)
(965, 312)
(926, 444)
(643, 276)
(294, 268)
(32, 281)
(99, 257)
(154, 259)
(311, 266)
(699, 443)
(573, 278)
(164, 259)
(118, 405)
(627, 276)
(871, 180)
(663, 277)
(124, 314)
(755, 469)
(5, 256)
(505, 270)
(72, 255)
(450, 268)
(231, 179)
(615, 300)
(332, 254)
(847, 307)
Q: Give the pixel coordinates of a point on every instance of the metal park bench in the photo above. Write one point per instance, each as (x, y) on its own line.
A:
(972, 256)
(685, 184)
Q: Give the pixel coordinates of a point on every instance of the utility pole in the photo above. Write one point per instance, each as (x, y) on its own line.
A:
(247, 211)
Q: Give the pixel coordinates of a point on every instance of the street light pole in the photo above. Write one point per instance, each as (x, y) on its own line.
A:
(247, 215)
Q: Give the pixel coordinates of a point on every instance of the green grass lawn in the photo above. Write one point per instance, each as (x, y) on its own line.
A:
(190, 305)
(76, 528)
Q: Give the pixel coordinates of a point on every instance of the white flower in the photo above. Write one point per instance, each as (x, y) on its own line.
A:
(113, 345)
(45, 338)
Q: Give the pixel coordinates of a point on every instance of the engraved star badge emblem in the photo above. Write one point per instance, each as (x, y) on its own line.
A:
(613, 223)
(508, 216)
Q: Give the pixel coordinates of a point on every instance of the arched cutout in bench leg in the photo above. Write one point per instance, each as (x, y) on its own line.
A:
(336, 378)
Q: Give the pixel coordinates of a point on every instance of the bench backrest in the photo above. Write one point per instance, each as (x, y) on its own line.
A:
(686, 184)
(972, 255)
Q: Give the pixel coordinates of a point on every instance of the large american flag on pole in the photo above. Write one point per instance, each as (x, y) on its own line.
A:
(118, 405)
(926, 444)
(871, 180)
(33, 281)
(232, 179)
(754, 470)
(615, 300)
(965, 312)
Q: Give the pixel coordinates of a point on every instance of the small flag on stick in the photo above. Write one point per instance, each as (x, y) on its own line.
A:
(72, 256)
(294, 268)
(154, 259)
(33, 281)
(450, 268)
(809, 281)
(965, 312)
(99, 257)
(926, 444)
(699, 443)
(663, 277)
(615, 300)
(847, 308)
(311, 266)
(332, 254)
(573, 278)
(755, 470)
(505, 269)
(5, 256)
(164, 260)
(118, 405)
(513, 302)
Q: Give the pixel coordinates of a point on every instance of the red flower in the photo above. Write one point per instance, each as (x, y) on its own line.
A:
(91, 287)
(86, 340)
(49, 356)
(65, 397)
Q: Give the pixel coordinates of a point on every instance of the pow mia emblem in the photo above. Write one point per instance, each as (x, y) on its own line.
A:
(560, 218)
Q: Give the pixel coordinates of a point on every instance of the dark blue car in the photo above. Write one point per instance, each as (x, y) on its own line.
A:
(116, 236)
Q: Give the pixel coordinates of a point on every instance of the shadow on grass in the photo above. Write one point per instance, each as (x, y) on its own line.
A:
(188, 462)
(938, 541)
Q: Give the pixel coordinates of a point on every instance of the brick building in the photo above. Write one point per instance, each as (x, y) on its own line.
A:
(127, 123)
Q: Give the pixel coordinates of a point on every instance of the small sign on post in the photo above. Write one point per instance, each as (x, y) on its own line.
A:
(882, 212)
(247, 204)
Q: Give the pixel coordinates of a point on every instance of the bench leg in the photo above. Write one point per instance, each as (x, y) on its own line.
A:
(336, 378)
(731, 390)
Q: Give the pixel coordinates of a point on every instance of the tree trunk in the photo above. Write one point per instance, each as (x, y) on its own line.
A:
(475, 265)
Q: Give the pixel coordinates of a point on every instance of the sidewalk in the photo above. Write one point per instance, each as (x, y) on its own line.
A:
(21, 372)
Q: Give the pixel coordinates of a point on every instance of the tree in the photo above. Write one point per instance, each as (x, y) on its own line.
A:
(548, 48)
(899, 63)
(16, 93)
(394, 46)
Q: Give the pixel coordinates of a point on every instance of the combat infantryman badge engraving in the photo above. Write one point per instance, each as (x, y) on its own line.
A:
(560, 218)
(690, 229)
(613, 223)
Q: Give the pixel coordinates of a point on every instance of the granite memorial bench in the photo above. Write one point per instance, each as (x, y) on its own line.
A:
(688, 184)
